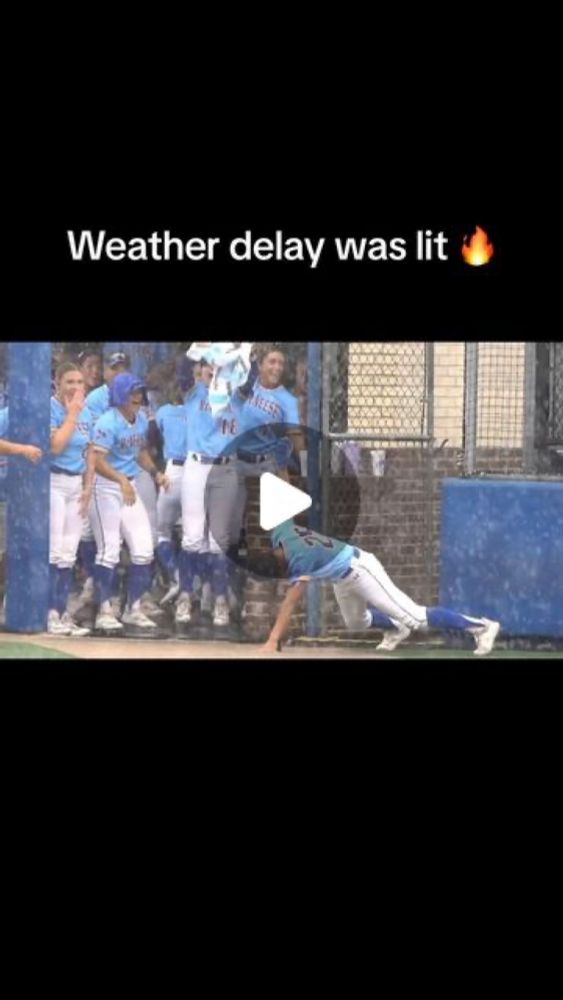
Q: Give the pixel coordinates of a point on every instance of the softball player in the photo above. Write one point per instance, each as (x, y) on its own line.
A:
(268, 403)
(119, 440)
(207, 506)
(170, 420)
(366, 595)
(72, 474)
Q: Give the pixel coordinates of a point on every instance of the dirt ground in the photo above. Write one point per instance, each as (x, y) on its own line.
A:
(181, 649)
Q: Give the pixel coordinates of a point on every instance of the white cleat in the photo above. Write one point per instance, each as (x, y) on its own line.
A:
(138, 618)
(183, 609)
(55, 626)
(221, 613)
(393, 638)
(485, 637)
(74, 629)
(107, 621)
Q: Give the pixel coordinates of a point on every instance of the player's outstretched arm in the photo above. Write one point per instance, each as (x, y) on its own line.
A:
(29, 451)
(283, 619)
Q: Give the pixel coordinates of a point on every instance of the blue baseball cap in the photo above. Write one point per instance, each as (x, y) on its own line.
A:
(122, 387)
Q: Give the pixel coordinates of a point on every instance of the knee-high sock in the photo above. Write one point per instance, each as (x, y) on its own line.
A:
(166, 558)
(187, 566)
(138, 581)
(379, 620)
(53, 586)
(87, 554)
(64, 581)
(218, 564)
(103, 579)
(443, 618)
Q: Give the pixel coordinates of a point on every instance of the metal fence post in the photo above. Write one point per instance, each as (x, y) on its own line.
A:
(529, 418)
(314, 361)
(470, 408)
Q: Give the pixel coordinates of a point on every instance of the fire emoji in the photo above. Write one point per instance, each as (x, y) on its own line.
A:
(478, 250)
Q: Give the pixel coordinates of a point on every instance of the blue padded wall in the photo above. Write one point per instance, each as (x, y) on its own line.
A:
(502, 553)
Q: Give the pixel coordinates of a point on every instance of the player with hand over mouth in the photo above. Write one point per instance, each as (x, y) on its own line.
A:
(366, 595)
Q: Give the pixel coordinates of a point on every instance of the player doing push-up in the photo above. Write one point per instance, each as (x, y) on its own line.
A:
(366, 595)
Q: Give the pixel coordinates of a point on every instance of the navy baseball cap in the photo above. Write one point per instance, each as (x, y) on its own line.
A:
(117, 358)
(122, 387)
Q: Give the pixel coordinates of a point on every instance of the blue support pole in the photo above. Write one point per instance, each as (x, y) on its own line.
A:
(27, 521)
(314, 358)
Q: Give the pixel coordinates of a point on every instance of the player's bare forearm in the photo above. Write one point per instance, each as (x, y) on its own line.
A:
(106, 470)
(62, 435)
(90, 471)
(283, 619)
(145, 461)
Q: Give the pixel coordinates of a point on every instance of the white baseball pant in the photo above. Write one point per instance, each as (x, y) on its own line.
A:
(368, 583)
(207, 505)
(65, 520)
(146, 490)
(112, 519)
(169, 503)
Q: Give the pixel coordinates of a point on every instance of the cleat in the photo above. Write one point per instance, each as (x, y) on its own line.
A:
(107, 621)
(485, 637)
(221, 613)
(393, 638)
(183, 609)
(137, 618)
(55, 626)
(74, 629)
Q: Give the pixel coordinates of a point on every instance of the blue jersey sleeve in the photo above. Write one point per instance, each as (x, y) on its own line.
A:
(290, 408)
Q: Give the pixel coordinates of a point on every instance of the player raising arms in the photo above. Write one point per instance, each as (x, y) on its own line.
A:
(366, 595)
(120, 438)
(72, 475)
(268, 403)
(207, 504)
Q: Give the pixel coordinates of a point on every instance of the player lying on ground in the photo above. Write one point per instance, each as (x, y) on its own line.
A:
(366, 595)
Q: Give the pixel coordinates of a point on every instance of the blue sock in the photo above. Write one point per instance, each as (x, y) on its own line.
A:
(218, 566)
(87, 554)
(166, 558)
(139, 581)
(379, 620)
(103, 579)
(53, 586)
(187, 566)
(64, 581)
(443, 618)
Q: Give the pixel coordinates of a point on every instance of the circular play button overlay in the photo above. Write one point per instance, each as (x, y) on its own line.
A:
(273, 474)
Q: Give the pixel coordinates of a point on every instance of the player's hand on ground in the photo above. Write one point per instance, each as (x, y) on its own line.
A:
(32, 453)
(162, 480)
(128, 492)
(271, 646)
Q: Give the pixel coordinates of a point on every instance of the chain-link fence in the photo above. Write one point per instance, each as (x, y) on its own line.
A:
(513, 409)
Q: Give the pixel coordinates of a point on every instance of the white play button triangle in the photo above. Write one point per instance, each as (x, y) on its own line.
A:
(279, 501)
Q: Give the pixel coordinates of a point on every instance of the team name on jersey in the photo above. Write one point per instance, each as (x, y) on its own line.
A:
(131, 441)
(83, 428)
(267, 405)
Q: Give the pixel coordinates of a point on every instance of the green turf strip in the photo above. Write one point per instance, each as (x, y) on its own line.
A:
(26, 651)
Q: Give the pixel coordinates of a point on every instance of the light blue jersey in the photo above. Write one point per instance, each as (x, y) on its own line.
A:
(4, 415)
(121, 440)
(263, 407)
(97, 401)
(73, 458)
(206, 434)
(311, 554)
(171, 422)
